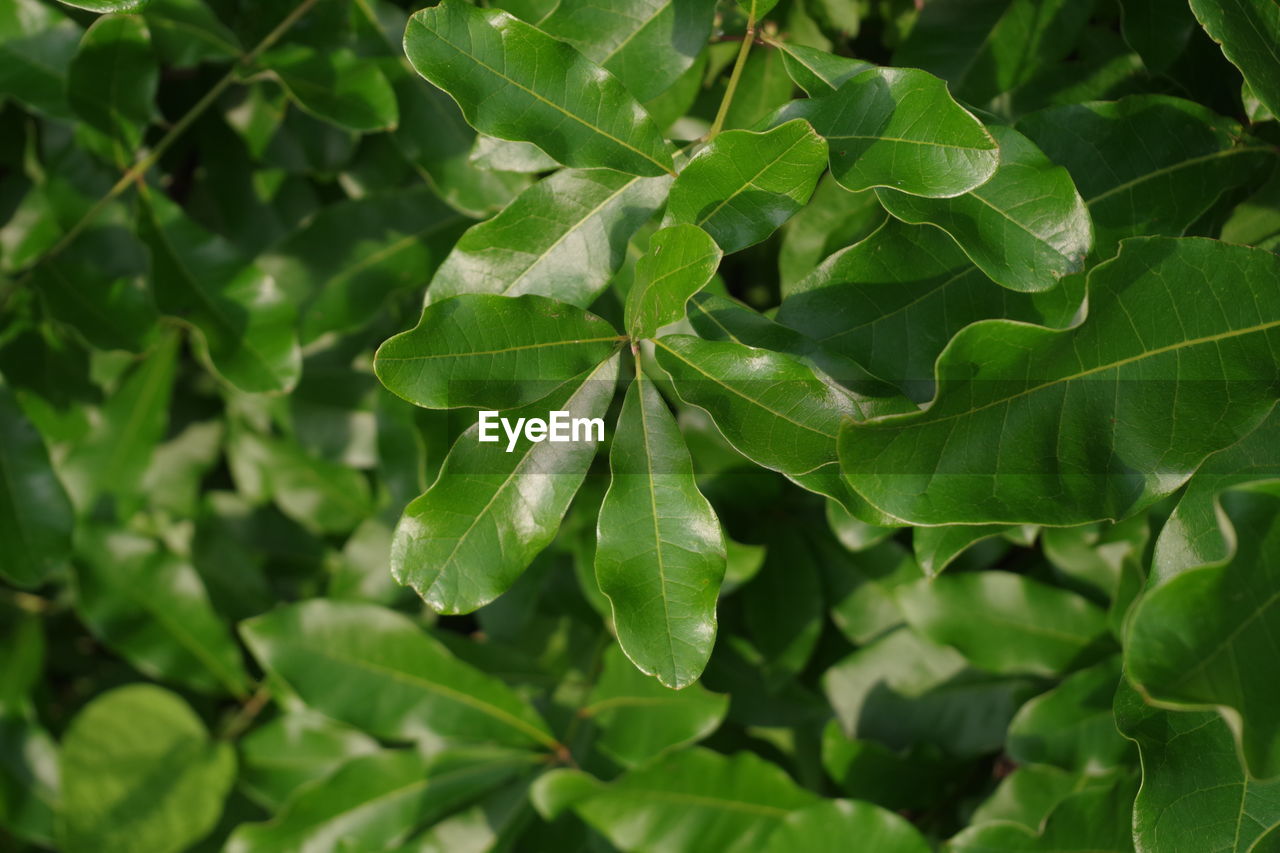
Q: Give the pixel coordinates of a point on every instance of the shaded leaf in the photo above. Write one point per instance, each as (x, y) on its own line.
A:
(112, 82)
(679, 262)
(335, 85)
(36, 518)
(1248, 31)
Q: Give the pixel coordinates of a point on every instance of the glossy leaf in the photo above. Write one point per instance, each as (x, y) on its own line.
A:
(294, 749)
(139, 771)
(563, 238)
(1195, 795)
(335, 655)
(514, 82)
(816, 71)
(1028, 211)
(640, 719)
(36, 519)
(490, 512)
(1248, 31)
(893, 301)
(660, 555)
(1185, 636)
(679, 262)
(744, 185)
(898, 128)
(495, 351)
(1043, 390)
(1097, 819)
(646, 45)
(244, 323)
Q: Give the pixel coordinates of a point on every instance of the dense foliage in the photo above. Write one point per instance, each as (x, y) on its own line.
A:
(938, 345)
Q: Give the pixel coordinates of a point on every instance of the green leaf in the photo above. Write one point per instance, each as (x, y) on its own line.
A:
(816, 71)
(37, 43)
(140, 772)
(437, 141)
(492, 351)
(335, 655)
(679, 262)
(744, 185)
(490, 512)
(1028, 794)
(28, 780)
(690, 800)
(833, 219)
(320, 495)
(868, 770)
(640, 719)
(1097, 819)
(1071, 726)
(514, 82)
(1146, 164)
(903, 690)
(646, 44)
(187, 32)
(1195, 795)
(661, 554)
(492, 153)
(114, 457)
(1026, 228)
(104, 6)
(354, 255)
(294, 749)
(562, 238)
(112, 82)
(1248, 31)
(1157, 29)
(335, 85)
(984, 48)
(830, 825)
(783, 606)
(770, 407)
(1026, 626)
(898, 128)
(36, 519)
(861, 587)
(1074, 447)
(151, 607)
(1187, 636)
(243, 322)
(1194, 535)
(893, 301)
(377, 801)
(938, 547)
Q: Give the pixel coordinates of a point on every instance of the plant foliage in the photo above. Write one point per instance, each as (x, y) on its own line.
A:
(936, 349)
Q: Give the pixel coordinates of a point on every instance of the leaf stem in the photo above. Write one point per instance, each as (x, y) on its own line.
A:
(247, 713)
(139, 169)
(748, 39)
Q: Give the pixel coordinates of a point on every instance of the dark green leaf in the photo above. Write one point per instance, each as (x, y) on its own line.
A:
(1026, 228)
(335, 85)
(36, 520)
(112, 82)
(1248, 31)
(515, 82)
(829, 826)
(37, 43)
